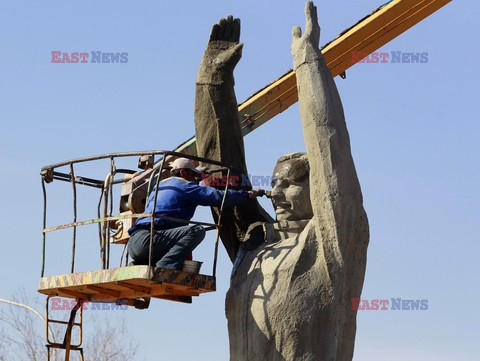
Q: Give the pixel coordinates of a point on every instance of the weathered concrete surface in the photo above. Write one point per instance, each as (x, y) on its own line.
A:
(217, 127)
(293, 281)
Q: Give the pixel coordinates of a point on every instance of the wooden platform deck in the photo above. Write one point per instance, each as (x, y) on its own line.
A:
(128, 283)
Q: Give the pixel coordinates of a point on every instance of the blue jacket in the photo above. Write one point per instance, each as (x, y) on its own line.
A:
(178, 198)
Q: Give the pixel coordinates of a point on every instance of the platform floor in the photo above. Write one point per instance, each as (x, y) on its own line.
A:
(128, 283)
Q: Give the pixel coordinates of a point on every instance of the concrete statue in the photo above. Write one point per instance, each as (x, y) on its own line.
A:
(293, 278)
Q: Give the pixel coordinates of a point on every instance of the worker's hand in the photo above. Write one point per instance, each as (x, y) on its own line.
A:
(256, 193)
(305, 48)
(222, 54)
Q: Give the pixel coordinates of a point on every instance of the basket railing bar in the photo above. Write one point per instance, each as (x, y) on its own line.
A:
(151, 180)
(215, 256)
(96, 183)
(130, 154)
(153, 215)
(103, 156)
(74, 235)
(125, 216)
(99, 207)
(112, 175)
(105, 224)
(44, 226)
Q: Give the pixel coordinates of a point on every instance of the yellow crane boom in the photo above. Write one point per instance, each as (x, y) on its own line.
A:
(369, 34)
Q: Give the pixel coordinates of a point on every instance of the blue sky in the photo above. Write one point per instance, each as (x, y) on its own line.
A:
(413, 128)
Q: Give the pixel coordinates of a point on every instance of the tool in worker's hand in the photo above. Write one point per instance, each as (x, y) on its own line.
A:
(259, 192)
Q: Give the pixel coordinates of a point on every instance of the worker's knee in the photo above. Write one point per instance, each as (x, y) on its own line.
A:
(198, 231)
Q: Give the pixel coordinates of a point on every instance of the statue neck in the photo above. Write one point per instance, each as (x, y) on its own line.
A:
(282, 230)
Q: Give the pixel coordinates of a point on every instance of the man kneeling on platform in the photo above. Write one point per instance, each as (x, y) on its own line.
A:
(178, 197)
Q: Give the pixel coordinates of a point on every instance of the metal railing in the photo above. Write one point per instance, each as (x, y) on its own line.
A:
(105, 215)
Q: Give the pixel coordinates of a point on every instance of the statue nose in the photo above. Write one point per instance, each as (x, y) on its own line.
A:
(277, 191)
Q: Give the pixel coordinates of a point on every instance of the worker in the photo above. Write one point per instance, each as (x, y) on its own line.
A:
(177, 197)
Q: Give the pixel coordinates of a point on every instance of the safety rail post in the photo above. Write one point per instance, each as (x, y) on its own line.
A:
(112, 175)
(74, 237)
(105, 224)
(44, 226)
(99, 207)
(150, 248)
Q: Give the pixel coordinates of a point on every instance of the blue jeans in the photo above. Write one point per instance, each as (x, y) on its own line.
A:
(170, 246)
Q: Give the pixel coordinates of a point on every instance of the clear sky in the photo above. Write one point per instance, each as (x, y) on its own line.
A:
(413, 127)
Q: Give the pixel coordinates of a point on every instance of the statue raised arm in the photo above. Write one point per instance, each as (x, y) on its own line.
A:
(217, 126)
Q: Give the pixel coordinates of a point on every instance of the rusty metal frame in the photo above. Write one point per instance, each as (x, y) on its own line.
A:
(116, 218)
(133, 154)
(49, 174)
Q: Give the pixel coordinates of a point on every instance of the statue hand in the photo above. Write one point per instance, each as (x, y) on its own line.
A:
(222, 54)
(305, 48)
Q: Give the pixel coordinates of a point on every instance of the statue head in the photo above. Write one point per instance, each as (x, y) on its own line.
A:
(291, 188)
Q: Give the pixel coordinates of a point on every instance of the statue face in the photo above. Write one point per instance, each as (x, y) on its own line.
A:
(291, 191)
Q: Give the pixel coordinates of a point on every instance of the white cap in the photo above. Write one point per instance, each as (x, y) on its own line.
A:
(184, 163)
